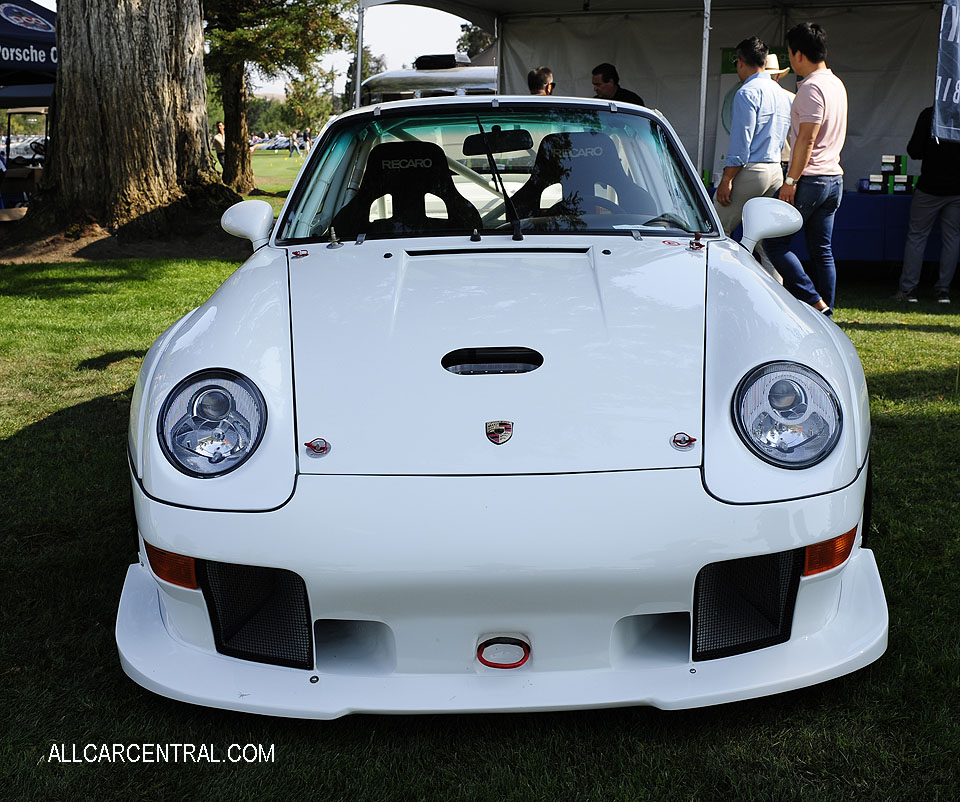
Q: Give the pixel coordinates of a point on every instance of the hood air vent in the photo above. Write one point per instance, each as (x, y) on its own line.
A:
(481, 361)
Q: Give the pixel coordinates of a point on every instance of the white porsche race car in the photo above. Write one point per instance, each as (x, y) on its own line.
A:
(496, 419)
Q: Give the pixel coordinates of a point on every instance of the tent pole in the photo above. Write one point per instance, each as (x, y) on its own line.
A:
(358, 60)
(703, 83)
(498, 54)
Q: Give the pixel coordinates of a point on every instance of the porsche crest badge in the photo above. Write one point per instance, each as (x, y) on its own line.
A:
(499, 431)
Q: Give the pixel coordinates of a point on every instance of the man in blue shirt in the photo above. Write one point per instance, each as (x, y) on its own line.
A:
(758, 130)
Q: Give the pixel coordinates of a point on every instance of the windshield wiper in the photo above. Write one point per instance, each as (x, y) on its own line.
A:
(512, 217)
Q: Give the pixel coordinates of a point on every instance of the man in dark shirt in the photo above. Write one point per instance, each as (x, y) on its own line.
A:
(540, 81)
(937, 195)
(606, 83)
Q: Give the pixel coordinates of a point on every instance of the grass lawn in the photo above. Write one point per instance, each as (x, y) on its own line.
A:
(274, 172)
(71, 340)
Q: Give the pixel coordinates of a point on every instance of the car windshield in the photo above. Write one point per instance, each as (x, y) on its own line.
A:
(430, 171)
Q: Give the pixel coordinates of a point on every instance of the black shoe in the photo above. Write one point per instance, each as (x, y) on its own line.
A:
(905, 297)
(943, 297)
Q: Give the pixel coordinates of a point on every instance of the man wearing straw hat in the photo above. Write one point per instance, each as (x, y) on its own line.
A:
(772, 68)
(758, 130)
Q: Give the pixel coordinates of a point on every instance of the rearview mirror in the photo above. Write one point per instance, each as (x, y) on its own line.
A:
(249, 219)
(768, 217)
(499, 141)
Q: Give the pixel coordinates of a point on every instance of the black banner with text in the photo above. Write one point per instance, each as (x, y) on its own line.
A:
(946, 108)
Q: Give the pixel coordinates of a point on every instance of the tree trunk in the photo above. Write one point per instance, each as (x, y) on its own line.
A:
(130, 146)
(237, 168)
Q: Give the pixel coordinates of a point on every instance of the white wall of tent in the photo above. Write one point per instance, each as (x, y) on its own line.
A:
(669, 52)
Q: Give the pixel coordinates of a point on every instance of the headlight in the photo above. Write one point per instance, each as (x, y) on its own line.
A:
(211, 423)
(787, 414)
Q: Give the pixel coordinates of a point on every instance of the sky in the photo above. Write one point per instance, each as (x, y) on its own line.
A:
(399, 33)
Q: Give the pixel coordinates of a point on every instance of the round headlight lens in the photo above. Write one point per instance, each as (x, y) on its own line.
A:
(213, 404)
(787, 414)
(212, 422)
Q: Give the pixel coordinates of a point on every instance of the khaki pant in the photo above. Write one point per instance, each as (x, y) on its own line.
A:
(755, 180)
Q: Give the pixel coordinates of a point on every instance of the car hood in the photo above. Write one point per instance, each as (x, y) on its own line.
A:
(619, 326)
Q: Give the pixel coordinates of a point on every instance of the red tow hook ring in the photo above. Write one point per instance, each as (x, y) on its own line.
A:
(522, 645)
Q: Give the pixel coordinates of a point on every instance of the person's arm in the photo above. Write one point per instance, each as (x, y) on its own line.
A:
(725, 187)
(802, 150)
(743, 123)
(916, 147)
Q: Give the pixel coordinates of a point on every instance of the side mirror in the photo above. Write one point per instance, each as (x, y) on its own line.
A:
(249, 219)
(768, 217)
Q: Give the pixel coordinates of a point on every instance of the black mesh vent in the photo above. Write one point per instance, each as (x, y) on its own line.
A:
(742, 605)
(258, 614)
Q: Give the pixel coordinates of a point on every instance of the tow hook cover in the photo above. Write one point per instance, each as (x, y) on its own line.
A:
(503, 652)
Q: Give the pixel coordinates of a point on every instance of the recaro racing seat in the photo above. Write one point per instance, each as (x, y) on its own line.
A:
(407, 172)
(579, 161)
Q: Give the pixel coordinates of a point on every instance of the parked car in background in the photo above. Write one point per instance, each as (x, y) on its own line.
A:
(431, 76)
(24, 145)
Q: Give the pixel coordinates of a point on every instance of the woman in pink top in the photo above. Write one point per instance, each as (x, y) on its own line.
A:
(814, 180)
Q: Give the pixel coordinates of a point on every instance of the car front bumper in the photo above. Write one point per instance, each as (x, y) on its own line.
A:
(595, 571)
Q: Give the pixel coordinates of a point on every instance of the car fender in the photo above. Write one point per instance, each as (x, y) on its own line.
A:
(752, 320)
(243, 327)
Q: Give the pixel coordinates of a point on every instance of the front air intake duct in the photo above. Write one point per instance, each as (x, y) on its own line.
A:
(743, 605)
(259, 614)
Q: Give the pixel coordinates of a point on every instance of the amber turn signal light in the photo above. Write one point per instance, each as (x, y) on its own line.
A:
(173, 568)
(829, 554)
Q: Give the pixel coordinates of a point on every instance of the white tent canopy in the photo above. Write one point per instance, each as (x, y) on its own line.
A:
(885, 52)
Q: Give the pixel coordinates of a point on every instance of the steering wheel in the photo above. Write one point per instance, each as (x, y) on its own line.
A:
(38, 147)
(605, 203)
(668, 220)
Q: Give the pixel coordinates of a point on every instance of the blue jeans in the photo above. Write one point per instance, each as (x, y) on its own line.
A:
(817, 199)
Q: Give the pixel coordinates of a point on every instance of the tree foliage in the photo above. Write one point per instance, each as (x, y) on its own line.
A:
(473, 40)
(275, 36)
(29, 124)
(310, 98)
(214, 106)
(267, 115)
(370, 65)
(310, 101)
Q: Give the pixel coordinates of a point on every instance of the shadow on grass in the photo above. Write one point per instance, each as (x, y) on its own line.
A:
(928, 328)
(74, 279)
(106, 360)
(64, 480)
(67, 540)
(915, 385)
(202, 240)
(260, 193)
